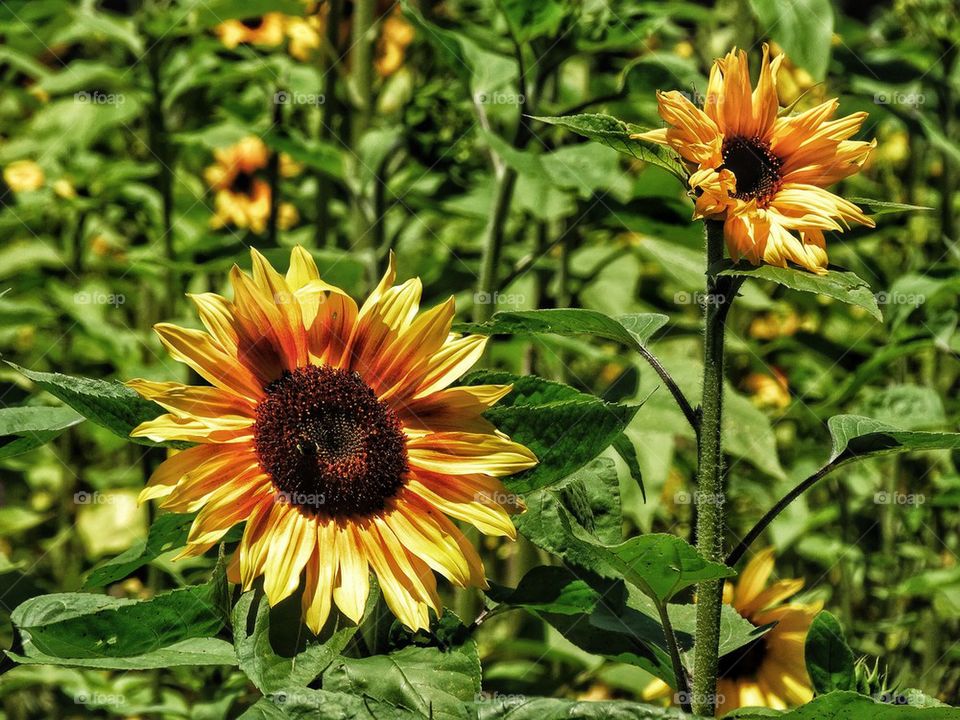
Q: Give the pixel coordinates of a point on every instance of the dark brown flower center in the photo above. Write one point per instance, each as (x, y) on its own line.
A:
(252, 23)
(242, 183)
(744, 662)
(756, 168)
(329, 444)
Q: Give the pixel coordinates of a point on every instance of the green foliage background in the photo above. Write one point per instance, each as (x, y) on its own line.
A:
(417, 163)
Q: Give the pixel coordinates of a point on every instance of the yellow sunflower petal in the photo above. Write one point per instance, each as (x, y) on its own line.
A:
(753, 578)
(458, 453)
(294, 541)
(353, 578)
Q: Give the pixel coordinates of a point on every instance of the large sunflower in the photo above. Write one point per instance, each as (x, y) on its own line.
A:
(764, 174)
(332, 432)
(770, 671)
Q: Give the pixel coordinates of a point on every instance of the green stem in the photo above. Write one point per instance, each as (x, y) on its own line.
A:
(485, 300)
(710, 520)
(361, 64)
(329, 119)
(683, 688)
(273, 176)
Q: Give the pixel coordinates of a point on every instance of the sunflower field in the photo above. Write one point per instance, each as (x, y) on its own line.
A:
(479, 359)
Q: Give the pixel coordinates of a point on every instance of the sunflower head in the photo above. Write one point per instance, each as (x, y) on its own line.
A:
(762, 173)
(333, 432)
(241, 192)
(771, 670)
(264, 31)
(24, 176)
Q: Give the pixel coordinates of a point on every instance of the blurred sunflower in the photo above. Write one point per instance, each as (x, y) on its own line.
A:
(332, 432)
(242, 197)
(771, 670)
(762, 174)
(265, 31)
(24, 176)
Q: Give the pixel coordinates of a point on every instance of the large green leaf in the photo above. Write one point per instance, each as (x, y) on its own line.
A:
(25, 428)
(803, 28)
(837, 284)
(428, 680)
(858, 437)
(631, 330)
(830, 662)
(90, 627)
(617, 134)
(192, 652)
(267, 670)
(564, 428)
(105, 402)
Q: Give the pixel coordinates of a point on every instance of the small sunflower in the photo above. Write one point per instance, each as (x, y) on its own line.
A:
(24, 176)
(242, 194)
(331, 430)
(770, 671)
(761, 173)
(264, 31)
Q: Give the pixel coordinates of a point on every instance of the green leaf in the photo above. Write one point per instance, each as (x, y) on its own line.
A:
(830, 662)
(662, 565)
(532, 20)
(268, 671)
(803, 28)
(564, 428)
(307, 704)
(168, 532)
(579, 498)
(617, 135)
(192, 652)
(106, 402)
(858, 437)
(851, 706)
(84, 626)
(433, 682)
(631, 330)
(542, 708)
(883, 207)
(837, 284)
(26, 428)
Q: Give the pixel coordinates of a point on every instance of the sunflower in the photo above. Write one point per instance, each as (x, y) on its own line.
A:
(332, 432)
(265, 31)
(771, 670)
(761, 173)
(24, 176)
(242, 195)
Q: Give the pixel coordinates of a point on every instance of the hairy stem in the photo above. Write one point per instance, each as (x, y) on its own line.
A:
(710, 521)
